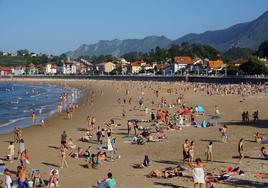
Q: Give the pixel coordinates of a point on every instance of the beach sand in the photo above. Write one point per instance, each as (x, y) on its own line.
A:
(42, 141)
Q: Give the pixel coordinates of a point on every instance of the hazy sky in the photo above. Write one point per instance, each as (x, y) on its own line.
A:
(57, 26)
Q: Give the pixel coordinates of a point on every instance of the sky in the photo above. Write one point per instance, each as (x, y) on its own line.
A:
(57, 26)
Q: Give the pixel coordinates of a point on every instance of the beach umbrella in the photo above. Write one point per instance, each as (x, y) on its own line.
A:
(200, 109)
(216, 118)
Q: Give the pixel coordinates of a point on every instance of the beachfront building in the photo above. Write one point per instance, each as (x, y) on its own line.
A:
(181, 63)
(164, 69)
(109, 67)
(136, 66)
(31, 69)
(17, 71)
(216, 65)
(68, 67)
(51, 68)
(237, 62)
(5, 71)
(85, 66)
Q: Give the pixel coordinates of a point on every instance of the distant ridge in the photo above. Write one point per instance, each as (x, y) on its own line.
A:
(245, 35)
(119, 47)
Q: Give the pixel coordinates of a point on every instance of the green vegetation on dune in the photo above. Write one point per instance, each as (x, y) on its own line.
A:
(12, 61)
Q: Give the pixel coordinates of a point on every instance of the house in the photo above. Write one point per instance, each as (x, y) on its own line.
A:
(51, 68)
(31, 69)
(165, 69)
(216, 65)
(109, 67)
(17, 71)
(237, 62)
(85, 66)
(68, 67)
(264, 60)
(136, 67)
(180, 63)
(5, 71)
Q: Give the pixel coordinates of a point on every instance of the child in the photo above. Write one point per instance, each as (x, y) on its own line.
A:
(209, 151)
(11, 149)
(146, 161)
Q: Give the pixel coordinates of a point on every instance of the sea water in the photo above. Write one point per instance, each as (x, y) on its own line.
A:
(19, 101)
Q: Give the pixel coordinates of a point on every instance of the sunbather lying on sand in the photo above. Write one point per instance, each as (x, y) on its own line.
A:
(146, 163)
(86, 137)
(167, 173)
(211, 178)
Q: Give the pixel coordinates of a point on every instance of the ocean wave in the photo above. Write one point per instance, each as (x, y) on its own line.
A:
(13, 121)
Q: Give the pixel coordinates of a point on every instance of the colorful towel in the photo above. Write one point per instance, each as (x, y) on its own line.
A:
(128, 136)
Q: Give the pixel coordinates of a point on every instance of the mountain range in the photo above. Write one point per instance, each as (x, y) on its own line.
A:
(246, 35)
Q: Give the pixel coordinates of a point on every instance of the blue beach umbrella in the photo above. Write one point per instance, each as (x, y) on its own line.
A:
(133, 120)
(200, 109)
(216, 118)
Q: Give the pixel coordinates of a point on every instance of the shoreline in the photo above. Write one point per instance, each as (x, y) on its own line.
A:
(26, 122)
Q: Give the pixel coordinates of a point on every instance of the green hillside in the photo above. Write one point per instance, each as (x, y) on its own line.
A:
(9, 61)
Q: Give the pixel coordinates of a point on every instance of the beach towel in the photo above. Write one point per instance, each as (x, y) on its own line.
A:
(261, 175)
(128, 136)
(264, 142)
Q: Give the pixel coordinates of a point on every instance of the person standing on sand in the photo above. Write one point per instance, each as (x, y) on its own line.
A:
(198, 173)
(209, 152)
(63, 138)
(21, 147)
(223, 131)
(8, 179)
(241, 150)
(11, 151)
(63, 156)
(33, 118)
(88, 123)
(191, 152)
(185, 148)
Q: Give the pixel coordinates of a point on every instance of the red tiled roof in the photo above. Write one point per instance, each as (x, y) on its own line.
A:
(136, 63)
(161, 66)
(5, 69)
(183, 60)
(215, 64)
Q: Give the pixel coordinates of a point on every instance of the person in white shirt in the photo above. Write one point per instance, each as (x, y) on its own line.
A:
(11, 150)
(8, 179)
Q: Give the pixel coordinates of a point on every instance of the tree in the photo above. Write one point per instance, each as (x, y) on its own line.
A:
(263, 50)
(254, 66)
(22, 52)
(237, 53)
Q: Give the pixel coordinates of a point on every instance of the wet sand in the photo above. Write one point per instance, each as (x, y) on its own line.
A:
(42, 141)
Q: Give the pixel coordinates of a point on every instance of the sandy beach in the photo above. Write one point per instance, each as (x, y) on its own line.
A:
(42, 142)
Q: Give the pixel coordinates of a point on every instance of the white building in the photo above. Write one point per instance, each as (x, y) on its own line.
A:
(51, 68)
(18, 71)
(68, 68)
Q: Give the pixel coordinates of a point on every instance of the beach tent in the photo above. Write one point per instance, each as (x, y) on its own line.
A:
(200, 109)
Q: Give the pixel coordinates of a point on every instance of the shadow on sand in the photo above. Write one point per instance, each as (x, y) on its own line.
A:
(246, 183)
(50, 164)
(168, 185)
(257, 124)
